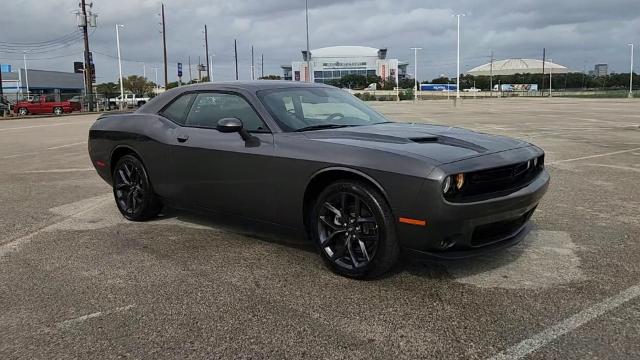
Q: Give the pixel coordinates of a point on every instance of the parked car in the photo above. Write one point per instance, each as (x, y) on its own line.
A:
(45, 104)
(315, 159)
(130, 100)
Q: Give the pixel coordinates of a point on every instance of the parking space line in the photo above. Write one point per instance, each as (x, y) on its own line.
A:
(64, 146)
(93, 315)
(38, 126)
(541, 339)
(15, 244)
(593, 156)
(56, 171)
(38, 152)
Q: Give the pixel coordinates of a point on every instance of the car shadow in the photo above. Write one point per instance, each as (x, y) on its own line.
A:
(423, 266)
(266, 232)
(437, 268)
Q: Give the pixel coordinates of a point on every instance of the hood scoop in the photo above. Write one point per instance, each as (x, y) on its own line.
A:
(424, 139)
(447, 140)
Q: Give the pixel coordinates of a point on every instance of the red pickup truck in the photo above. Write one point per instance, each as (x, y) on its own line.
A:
(41, 104)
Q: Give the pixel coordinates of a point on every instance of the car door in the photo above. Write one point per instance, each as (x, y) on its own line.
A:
(221, 171)
(37, 104)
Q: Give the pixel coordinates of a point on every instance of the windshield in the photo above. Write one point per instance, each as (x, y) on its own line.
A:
(300, 109)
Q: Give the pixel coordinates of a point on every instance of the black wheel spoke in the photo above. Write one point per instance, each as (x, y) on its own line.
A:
(356, 207)
(352, 255)
(332, 209)
(343, 203)
(332, 237)
(328, 223)
(363, 220)
(363, 248)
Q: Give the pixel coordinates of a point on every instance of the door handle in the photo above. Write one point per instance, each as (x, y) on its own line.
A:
(182, 138)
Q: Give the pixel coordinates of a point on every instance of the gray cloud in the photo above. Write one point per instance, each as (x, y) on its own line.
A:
(576, 33)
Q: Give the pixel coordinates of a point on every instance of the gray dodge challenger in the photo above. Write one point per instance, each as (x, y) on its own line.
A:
(316, 160)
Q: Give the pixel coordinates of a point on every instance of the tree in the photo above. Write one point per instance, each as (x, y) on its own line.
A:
(172, 85)
(137, 85)
(270, 77)
(407, 83)
(109, 89)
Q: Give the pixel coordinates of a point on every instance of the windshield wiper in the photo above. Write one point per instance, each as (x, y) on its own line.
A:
(321, 127)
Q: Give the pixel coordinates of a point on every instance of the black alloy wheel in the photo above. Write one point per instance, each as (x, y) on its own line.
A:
(132, 190)
(354, 230)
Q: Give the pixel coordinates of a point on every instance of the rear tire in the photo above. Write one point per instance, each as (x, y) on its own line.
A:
(23, 111)
(354, 229)
(58, 111)
(132, 190)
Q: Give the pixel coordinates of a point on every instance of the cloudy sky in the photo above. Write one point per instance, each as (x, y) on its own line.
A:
(576, 33)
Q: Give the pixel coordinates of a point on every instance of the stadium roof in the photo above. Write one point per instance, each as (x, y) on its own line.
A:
(518, 66)
(344, 51)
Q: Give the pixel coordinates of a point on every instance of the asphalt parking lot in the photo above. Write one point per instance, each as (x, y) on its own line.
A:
(78, 281)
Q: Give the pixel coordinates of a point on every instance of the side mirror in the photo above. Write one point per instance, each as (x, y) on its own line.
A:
(229, 125)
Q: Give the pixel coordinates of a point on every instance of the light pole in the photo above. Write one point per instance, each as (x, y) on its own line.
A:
(120, 64)
(306, 14)
(415, 67)
(550, 77)
(458, 62)
(631, 74)
(26, 73)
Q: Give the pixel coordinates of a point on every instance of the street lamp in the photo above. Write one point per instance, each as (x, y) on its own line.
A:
(120, 64)
(415, 65)
(631, 74)
(550, 77)
(458, 62)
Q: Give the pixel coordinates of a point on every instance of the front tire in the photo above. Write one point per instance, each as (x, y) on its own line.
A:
(23, 112)
(132, 190)
(58, 111)
(354, 229)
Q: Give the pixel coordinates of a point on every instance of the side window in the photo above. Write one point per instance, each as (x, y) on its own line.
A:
(177, 110)
(209, 108)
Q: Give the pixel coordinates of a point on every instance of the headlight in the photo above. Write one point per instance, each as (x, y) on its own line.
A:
(447, 185)
(459, 181)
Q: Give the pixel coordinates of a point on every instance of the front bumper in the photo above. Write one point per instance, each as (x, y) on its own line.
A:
(455, 230)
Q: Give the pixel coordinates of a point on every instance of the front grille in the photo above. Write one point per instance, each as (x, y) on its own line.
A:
(498, 181)
(498, 231)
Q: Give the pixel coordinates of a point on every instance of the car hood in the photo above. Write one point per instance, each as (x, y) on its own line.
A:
(440, 143)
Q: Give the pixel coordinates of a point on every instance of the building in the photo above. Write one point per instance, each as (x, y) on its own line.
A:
(332, 63)
(16, 84)
(601, 70)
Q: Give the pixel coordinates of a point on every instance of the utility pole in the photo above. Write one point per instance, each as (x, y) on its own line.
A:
(87, 55)
(206, 46)
(458, 56)
(26, 73)
(306, 12)
(415, 70)
(190, 74)
(261, 65)
(544, 60)
(120, 65)
(235, 51)
(211, 67)
(164, 47)
(253, 68)
(631, 74)
(1, 90)
(491, 77)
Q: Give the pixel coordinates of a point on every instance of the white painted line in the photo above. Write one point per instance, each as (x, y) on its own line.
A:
(38, 126)
(593, 156)
(618, 167)
(39, 152)
(93, 315)
(15, 244)
(64, 146)
(541, 339)
(56, 171)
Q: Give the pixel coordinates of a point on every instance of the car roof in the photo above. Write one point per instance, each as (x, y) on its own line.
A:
(252, 85)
